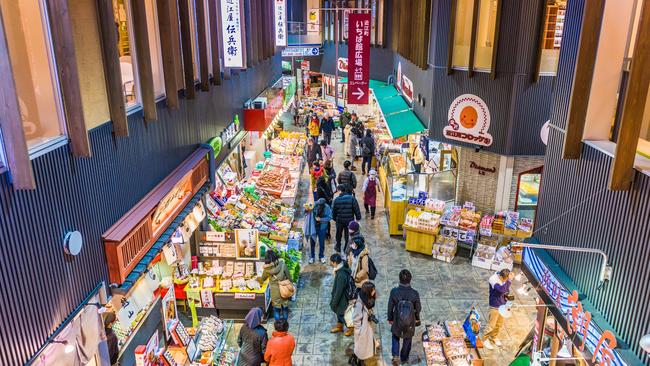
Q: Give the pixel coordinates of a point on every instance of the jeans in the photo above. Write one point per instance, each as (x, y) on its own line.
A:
(418, 168)
(367, 160)
(371, 210)
(341, 230)
(321, 244)
(281, 312)
(327, 136)
(340, 319)
(406, 348)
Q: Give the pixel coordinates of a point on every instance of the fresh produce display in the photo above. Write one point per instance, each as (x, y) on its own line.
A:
(291, 258)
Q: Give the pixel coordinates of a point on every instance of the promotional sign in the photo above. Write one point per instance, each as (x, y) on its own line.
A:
(300, 51)
(398, 84)
(304, 66)
(231, 33)
(469, 121)
(407, 89)
(359, 54)
(346, 24)
(313, 17)
(342, 64)
(280, 23)
(583, 331)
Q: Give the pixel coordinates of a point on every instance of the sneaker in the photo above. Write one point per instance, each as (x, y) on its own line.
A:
(395, 361)
(498, 343)
(322, 260)
(311, 260)
(487, 344)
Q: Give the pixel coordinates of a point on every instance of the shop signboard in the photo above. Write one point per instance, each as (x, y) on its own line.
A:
(216, 143)
(280, 23)
(342, 64)
(586, 335)
(398, 84)
(232, 31)
(170, 204)
(359, 54)
(407, 89)
(468, 121)
(245, 296)
(313, 17)
(300, 51)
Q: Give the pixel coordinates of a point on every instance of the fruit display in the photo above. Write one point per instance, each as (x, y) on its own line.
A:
(272, 180)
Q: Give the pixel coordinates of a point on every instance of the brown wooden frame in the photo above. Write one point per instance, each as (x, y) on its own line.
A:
(202, 45)
(165, 23)
(582, 77)
(11, 122)
(541, 31)
(112, 71)
(215, 40)
(145, 73)
(450, 39)
(186, 48)
(495, 43)
(472, 40)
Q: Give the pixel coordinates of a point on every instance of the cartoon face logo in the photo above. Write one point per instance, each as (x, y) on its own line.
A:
(468, 117)
(468, 121)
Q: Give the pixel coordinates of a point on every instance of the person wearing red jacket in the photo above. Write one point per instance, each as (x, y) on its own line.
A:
(280, 348)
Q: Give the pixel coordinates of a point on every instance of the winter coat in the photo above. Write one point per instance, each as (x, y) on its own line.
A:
(327, 125)
(353, 142)
(331, 179)
(370, 188)
(417, 155)
(403, 292)
(279, 349)
(345, 209)
(313, 153)
(364, 332)
(309, 225)
(359, 267)
(347, 177)
(314, 127)
(324, 190)
(276, 271)
(345, 119)
(368, 142)
(498, 291)
(323, 211)
(252, 344)
(327, 153)
(339, 300)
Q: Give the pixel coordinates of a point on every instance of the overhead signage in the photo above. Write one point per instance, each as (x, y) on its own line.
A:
(280, 23)
(407, 88)
(300, 51)
(342, 64)
(583, 331)
(481, 169)
(469, 121)
(231, 31)
(346, 24)
(359, 54)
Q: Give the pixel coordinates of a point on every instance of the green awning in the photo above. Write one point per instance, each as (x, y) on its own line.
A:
(393, 104)
(404, 123)
(376, 84)
(383, 92)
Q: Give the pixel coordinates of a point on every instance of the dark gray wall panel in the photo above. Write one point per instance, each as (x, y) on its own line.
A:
(40, 284)
(422, 84)
(531, 108)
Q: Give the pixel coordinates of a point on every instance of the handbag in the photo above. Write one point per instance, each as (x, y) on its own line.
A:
(349, 315)
(287, 288)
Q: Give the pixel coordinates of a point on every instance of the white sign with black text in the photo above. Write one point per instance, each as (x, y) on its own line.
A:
(280, 23)
(469, 121)
(231, 31)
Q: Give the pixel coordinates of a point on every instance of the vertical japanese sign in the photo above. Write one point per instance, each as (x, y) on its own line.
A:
(358, 58)
(231, 33)
(280, 23)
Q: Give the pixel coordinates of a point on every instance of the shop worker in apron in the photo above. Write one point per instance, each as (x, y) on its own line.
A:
(370, 189)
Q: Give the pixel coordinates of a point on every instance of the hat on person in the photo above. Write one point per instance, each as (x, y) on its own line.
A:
(353, 226)
(372, 172)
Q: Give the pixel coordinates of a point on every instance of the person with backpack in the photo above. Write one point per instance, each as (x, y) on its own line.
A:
(277, 272)
(342, 292)
(370, 189)
(324, 188)
(345, 209)
(354, 229)
(367, 151)
(323, 216)
(403, 315)
(347, 176)
(363, 320)
(358, 260)
(326, 127)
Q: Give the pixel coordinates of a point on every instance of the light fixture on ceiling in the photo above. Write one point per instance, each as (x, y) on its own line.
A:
(505, 310)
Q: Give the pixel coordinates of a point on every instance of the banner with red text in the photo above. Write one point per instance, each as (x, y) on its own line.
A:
(358, 58)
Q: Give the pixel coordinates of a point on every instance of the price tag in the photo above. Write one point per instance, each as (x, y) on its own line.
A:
(244, 296)
(215, 236)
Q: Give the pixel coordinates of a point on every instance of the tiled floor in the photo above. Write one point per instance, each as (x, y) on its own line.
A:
(447, 290)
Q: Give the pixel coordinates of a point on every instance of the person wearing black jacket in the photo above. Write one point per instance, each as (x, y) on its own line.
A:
(326, 128)
(344, 210)
(339, 300)
(313, 152)
(347, 176)
(324, 189)
(403, 299)
(367, 151)
(111, 337)
(252, 339)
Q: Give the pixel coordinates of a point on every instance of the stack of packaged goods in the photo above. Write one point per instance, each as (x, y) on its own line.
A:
(423, 221)
(289, 143)
(447, 346)
(445, 248)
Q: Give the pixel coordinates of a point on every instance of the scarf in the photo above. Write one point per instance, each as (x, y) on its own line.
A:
(360, 248)
(253, 318)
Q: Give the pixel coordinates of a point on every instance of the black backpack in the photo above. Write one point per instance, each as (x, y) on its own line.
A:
(351, 289)
(372, 270)
(405, 316)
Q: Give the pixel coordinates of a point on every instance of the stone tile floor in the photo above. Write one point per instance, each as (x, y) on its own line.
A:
(447, 290)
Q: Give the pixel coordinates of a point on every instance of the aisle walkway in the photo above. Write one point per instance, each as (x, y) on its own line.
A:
(447, 290)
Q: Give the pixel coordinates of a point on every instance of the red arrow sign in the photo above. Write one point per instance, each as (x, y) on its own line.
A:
(358, 58)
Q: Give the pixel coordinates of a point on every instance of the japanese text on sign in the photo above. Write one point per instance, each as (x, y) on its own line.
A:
(231, 32)
(280, 23)
(358, 58)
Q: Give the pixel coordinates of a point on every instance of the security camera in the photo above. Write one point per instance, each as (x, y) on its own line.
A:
(477, 149)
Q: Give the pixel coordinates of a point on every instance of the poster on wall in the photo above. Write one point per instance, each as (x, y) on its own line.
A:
(468, 121)
(231, 33)
(169, 310)
(247, 247)
(313, 17)
(407, 89)
(359, 59)
(280, 23)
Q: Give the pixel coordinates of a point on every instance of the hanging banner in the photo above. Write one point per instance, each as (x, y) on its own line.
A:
(359, 56)
(280, 23)
(469, 121)
(231, 31)
(407, 89)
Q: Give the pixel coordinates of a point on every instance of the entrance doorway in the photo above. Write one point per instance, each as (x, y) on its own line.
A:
(528, 192)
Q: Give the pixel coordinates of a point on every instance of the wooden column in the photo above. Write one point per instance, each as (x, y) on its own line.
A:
(254, 55)
(145, 74)
(495, 44)
(11, 122)
(621, 173)
(203, 45)
(112, 71)
(582, 77)
(215, 40)
(186, 40)
(165, 23)
(64, 49)
(450, 39)
(472, 40)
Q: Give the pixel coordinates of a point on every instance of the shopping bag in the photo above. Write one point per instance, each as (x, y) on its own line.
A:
(349, 315)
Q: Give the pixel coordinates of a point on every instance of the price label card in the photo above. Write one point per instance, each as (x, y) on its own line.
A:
(244, 296)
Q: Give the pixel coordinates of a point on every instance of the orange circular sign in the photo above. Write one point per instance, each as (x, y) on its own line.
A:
(468, 117)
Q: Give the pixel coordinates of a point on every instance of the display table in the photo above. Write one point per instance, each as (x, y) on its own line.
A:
(419, 241)
(234, 303)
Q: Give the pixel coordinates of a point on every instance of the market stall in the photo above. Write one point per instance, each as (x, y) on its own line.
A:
(452, 343)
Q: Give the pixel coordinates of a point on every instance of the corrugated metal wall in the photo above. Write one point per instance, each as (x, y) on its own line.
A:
(40, 284)
(577, 209)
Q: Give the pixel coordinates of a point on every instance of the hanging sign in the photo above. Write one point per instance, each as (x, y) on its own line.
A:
(398, 84)
(280, 23)
(313, 17)
(342, 64)
(469, 121)
(300, 51)
(231, 31)
(359, 54)
(407, 88)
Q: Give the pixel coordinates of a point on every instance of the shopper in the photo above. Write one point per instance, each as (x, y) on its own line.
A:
(353, 143)
(363, 320)
(310, 228)
(315, 173)
(367, 151)
(326, 128)
(276, 271)
(417, 157)
(313, 152)
(403, 315)
(314, 128)
(344, 210)
(339, 300)
(499, 289)
(358, 260)
(344, 120)
(111, 337)
(347, 176)
(370, 189)
(324, 189)
(327, 152)
(323, 216)
(280, 347)
(331, 175)
(354, 229)
(252, 339)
